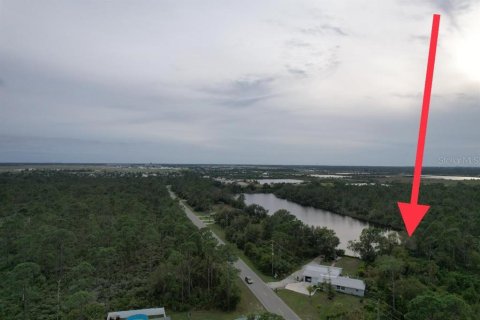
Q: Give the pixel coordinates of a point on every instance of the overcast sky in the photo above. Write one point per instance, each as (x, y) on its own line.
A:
(257, 82)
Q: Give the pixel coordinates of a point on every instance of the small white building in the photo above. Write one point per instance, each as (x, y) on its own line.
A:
(317, 271)
(317, 274)
(141, 314)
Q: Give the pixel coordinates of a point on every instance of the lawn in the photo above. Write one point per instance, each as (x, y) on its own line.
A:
(319, 306)
(248, 304)
(350, 266)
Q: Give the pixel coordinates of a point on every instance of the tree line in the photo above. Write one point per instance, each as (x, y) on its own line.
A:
(437, 268)
(277, 244)
(410, 286)
(435, 274)
(75, 247)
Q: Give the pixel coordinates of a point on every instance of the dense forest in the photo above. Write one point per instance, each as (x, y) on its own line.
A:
(375, 203)
(290, 240)
(76, 246)
(202, 193)
(448, 235)
(435, 274)
(255, 232)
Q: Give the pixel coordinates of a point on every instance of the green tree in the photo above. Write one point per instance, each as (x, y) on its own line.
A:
(391, 267)
(27, 282)
(270, 316)
(310, 290)
(368, 244)
(438, 306)
(77, 303)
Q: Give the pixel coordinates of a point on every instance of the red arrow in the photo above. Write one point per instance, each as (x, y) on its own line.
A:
(413, 213)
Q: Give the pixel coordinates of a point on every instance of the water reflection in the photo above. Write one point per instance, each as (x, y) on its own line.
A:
(346, 228)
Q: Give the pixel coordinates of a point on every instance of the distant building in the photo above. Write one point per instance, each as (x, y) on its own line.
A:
(142, 314)
(317, 274)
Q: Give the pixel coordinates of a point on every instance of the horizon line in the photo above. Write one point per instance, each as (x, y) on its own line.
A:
(229, 164)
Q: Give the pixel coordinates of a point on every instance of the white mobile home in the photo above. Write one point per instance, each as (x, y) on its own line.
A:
(317, 274)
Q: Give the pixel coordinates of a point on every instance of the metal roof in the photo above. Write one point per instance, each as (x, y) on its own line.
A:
(332, 274)
(347, 282)
(344, 282)
(318, 270)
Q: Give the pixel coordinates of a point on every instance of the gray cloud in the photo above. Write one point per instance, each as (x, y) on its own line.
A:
(296, 71)
(454, 6)
(298, 43)
(243, 92)
(244, 102)
(416, 95)
(420, 38)
(324, 29)
(247, 85)
(305, 83)
(473, 98)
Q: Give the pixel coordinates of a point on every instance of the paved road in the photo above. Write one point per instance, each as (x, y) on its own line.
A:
(264, 294)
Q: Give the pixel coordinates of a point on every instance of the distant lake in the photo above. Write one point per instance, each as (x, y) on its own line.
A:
(456, 178)
(334, 176)
(272, 181)
(346, 228)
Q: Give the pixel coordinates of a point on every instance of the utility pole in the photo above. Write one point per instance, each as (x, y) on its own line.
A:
(272, 257)
(58, 298)
(378, 309)
(228, 282)
(24, 298)
(393, 291)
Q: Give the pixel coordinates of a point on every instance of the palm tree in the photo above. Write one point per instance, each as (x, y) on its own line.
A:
(310, 290)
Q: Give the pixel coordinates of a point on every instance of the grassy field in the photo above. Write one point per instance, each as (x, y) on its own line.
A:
(350, 266)
(248, 304)
(318, 306)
